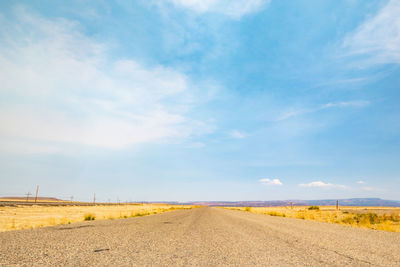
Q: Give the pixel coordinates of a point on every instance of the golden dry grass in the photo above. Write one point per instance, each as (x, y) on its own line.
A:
(379, 218)
(28, 217)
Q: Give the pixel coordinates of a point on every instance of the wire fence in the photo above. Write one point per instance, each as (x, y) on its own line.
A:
(31, 196)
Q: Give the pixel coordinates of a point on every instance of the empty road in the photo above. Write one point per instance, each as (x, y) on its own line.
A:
(200, 237)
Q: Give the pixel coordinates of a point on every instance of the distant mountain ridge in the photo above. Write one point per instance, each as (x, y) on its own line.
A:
(376, 202)
(372, 202)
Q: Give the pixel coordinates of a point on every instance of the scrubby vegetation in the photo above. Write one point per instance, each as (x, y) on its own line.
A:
(89, 217)
(370, 219)
(387, 219)
(274, 213)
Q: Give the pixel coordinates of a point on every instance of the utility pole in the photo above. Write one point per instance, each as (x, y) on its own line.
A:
(291, 205)
(94, 199)
(37, 191)
(27, 196)
(337, 204)
(72, 198)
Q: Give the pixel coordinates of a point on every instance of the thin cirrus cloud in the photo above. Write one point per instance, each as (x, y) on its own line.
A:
(78, 95)
(368, 188)
(321, 184)
(237, 134)
(232, 8)
(267, 181)
(378, 38)
(341, 104)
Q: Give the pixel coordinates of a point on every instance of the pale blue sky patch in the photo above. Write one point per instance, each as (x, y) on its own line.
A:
(231, 8)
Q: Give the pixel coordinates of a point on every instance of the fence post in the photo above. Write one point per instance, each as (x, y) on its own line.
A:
(27, 196)
(37, 191)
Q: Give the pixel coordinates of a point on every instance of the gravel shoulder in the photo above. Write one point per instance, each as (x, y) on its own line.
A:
(200, 237)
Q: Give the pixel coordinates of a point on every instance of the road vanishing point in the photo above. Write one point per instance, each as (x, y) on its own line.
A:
(200, 237)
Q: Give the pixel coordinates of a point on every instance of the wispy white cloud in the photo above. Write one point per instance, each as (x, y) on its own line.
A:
(231, 8)
(360, 182)
(355, 104)
(237, 134)
(342, 104)
(368, 188)
(266, 181)
(320, 184)
(292, 113)
(378, 38)
(79, 95)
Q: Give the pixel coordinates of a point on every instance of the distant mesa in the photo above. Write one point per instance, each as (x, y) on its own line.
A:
(371, 202)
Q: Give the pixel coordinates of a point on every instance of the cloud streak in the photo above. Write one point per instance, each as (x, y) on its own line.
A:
(378, 38)
(321, 184)
(342, 104)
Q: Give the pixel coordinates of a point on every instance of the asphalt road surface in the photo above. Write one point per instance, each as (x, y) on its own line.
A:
(200, 237)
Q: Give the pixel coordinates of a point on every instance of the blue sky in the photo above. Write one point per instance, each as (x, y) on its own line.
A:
(200, 100)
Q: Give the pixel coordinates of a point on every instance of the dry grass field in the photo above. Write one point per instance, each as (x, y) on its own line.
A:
(379, 218)
(28, 217)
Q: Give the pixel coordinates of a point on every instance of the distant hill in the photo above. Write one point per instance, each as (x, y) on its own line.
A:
(376, 202)
(30, 199)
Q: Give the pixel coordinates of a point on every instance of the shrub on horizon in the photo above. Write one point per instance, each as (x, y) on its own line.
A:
(89, 217)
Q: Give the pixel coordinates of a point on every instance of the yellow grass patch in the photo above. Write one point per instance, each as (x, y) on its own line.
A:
(28, 217)
(379, 218)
